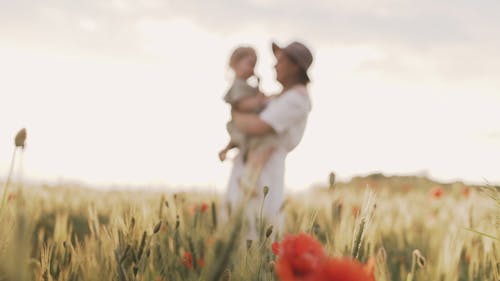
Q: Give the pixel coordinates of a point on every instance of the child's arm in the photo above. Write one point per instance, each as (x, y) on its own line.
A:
(251, 104)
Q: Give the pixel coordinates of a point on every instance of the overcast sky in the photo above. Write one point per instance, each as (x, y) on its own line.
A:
(130, 92)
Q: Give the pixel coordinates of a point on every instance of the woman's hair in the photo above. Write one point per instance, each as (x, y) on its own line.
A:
(302, 76)
(240, 53)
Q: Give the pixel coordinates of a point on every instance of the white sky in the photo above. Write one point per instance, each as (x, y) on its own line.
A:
(127, 92)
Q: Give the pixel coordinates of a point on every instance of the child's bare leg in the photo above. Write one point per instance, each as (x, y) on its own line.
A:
(259, 157)
(255, 163)
(223, 152)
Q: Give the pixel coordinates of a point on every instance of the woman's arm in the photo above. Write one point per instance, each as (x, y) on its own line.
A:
(250, 123)
(251, 104)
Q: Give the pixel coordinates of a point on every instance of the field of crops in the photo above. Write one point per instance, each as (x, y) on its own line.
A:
(372, 228)
(399, 228)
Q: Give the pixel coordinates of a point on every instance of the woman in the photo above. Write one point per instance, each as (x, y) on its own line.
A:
(286, 115)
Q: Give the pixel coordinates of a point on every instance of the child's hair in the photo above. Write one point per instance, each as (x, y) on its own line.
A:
(240, 53)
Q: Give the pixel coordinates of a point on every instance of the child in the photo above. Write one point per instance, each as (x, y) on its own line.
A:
(255, 150)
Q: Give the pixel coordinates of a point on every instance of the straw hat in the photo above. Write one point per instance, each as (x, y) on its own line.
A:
(298, 52)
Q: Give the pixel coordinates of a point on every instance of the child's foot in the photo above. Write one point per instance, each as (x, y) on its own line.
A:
(222, 155)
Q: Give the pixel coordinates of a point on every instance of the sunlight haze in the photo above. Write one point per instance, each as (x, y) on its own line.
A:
(127, 92)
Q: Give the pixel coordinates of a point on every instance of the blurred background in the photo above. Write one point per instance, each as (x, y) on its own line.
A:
(129, 93)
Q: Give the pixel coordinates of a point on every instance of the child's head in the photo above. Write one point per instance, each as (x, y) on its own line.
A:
(242, 62)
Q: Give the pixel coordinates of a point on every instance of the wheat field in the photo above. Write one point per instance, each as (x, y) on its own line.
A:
(384, 228)
(413, 229)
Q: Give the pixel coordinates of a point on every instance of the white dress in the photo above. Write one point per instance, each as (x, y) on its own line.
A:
(287, 115)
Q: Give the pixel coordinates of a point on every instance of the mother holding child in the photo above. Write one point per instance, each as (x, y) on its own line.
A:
(265, 129)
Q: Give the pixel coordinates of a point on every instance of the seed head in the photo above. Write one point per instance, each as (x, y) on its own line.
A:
(157, 227)
(266, 190)
(332, 180)
(132, 223)
(177, 222)
(20, 138)
(269, 231)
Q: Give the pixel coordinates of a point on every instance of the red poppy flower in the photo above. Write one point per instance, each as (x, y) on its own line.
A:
(466, 191)
(163, 228)
(369, 267)
(11, 197)
(210, 241)
(192, 209)
(299, 257)
(355, 211)
(437, 192)
(204, 207)
(276, 248)
(187, 260)
(344, 269)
